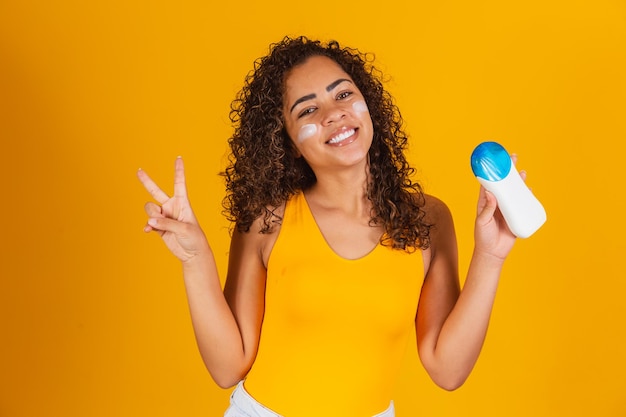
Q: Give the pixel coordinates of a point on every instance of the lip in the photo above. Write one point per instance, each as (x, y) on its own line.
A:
(343, 136)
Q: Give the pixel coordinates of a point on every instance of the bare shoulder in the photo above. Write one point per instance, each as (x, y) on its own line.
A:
(442, 233)
(437, 212)
(258, 239)
(247, 260)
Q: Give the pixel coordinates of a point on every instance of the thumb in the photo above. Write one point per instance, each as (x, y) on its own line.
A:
(489, 208)
(164, 224)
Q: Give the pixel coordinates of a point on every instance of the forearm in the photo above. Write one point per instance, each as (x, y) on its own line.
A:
(457, 347)
(217, 334)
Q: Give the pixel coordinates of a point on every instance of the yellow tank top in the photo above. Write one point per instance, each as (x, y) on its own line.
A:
(335, 330)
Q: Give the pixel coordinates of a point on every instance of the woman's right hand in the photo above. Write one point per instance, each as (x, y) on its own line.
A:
(172, 218)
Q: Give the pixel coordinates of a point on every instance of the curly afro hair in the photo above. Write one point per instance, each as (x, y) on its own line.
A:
(264, 171)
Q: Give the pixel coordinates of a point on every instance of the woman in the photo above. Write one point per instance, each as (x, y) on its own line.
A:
(336, 254)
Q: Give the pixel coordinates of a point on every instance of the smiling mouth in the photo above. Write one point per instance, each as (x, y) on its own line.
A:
(341, 137)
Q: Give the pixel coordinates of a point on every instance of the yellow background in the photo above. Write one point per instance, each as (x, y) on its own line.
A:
(93, 317)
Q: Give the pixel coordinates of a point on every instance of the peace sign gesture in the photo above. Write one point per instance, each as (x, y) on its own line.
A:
(172, 218)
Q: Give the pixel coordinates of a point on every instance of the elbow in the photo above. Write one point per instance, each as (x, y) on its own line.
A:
(226, 378)
(226, 373)
(448, 378)
(447, 373)
(450, 383)
(225, 381)
(225, 384)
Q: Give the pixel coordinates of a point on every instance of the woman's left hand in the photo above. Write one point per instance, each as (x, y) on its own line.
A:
(491, 234)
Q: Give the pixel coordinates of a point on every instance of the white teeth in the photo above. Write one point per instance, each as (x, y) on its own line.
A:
(342, 136)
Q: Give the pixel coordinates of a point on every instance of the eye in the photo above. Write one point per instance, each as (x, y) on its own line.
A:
(306, 112)
(344, 95)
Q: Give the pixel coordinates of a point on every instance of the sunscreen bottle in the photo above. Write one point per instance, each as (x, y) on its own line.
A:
(494, 169)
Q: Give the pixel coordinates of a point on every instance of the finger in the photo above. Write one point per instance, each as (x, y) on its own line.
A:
(147, 228)
(163, 224)
(153, 210)
(180, 187)
(482, 199)
(151, 187)
(523, 174)
(489, 208)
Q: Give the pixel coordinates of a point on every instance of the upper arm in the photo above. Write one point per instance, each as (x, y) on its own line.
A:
(441, 287)
(244, 289)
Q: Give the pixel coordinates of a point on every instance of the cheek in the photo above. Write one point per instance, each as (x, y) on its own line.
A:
(362, 112)
(360, 107)
(306, 132)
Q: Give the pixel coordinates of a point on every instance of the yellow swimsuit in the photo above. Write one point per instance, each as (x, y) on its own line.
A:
(335, 330)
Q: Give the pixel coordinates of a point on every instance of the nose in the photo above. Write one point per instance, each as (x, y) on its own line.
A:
(333, 114)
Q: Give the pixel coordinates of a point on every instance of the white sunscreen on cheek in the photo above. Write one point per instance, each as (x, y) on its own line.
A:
(306, 132)
(360, 107)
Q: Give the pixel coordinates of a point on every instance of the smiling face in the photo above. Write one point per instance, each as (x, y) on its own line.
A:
(325, 115)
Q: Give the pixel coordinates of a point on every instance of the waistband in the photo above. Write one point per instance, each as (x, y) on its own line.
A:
(242, 404)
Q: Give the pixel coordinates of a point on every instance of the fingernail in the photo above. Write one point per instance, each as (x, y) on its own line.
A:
(152, 222)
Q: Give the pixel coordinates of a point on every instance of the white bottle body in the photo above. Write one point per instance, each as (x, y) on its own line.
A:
(495, 170)
(522, 211)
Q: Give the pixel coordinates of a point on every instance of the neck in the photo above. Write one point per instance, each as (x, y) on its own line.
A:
(343, 190)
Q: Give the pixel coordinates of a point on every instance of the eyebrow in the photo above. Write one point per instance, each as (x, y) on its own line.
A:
(329, 88)
(336, 83)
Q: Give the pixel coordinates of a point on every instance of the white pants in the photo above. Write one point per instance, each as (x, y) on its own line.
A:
(243, 405)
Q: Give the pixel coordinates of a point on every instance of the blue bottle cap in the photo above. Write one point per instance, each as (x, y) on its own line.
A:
(490, 161)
